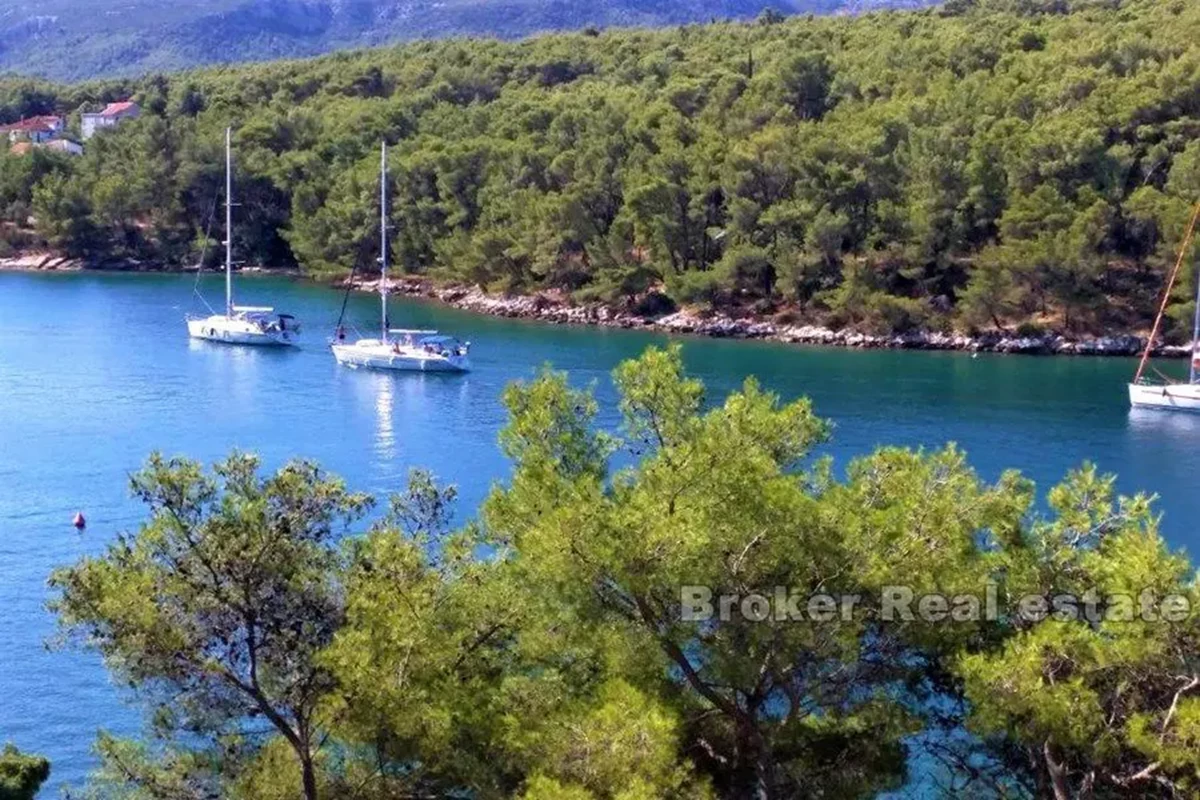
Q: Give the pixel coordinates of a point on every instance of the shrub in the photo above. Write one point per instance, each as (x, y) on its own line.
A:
(21, 775)
(892, 314)
(1030, 330)
(694, 288)
(654, 304)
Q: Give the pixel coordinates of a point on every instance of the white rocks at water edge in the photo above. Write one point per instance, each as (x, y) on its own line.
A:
(547, 308)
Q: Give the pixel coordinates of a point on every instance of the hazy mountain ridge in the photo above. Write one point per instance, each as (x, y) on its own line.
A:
(79, 39)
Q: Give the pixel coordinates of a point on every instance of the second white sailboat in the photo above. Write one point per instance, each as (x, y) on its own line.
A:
(400, 349)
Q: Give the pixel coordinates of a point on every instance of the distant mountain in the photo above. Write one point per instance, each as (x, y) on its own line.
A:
(80, 39)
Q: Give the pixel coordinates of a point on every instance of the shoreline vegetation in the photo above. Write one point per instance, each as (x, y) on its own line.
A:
(991, 174)
(558, 309)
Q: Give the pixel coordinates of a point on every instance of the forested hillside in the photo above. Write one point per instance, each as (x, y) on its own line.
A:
(80, 39)
(1001, 163)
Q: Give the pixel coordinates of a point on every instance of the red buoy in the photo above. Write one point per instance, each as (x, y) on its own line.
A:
(79, 522)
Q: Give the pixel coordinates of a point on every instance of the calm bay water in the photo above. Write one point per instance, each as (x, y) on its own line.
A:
(96, 371)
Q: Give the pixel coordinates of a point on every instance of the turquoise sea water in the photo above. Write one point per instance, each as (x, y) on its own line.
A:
(96, 371)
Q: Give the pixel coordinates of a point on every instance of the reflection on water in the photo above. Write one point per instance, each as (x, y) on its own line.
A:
(1165, 422)
(1164, 452)
(385, 440)
(407, 409)
(238, 377)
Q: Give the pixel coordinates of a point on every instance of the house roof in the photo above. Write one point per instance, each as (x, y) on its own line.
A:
(116, 109)
(21, 148)
(43, 124)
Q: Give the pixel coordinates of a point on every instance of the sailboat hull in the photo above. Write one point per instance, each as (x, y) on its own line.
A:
(1167, 396)
(233, 330)
(371, 354)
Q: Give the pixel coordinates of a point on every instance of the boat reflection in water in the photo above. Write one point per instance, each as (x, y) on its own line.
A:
(1179, 427)
(402, 408)
(385, 428)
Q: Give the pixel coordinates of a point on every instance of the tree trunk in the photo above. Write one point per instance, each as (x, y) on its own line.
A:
(755, 770)
(309, 777)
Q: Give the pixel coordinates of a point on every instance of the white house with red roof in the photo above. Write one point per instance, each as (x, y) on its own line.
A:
(112, 115)
(33, 129)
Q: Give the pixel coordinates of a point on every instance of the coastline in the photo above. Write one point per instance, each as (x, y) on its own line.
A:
(557, 310)
(553, 310)
(52, 262)
(41, 262)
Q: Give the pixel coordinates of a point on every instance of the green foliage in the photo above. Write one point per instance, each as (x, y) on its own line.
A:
(722, 499)
(1020, 160)
(695, 288)
(991, 294)
(550, 647)
(20, 774)
(1102, 705)
(218, 607)
(624, 745)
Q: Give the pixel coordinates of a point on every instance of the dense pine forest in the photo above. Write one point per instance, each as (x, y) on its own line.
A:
(1014, 164)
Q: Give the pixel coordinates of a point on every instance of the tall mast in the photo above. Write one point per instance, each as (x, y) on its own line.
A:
(1166, 297)
(383, 237)
(229, 222)
(1195, 319)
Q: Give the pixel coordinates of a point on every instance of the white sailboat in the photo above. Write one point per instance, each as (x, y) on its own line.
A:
(401, 349)
(253, 325)
(1166, 393)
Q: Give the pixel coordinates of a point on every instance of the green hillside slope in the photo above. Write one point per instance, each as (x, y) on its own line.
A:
(965, 167)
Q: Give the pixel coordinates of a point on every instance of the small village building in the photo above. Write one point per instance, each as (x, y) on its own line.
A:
(45, 132)
(63, 146)
(33, 129)
(25, 147)
(112, 115)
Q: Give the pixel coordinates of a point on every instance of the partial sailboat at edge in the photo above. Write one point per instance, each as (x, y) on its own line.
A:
(1166, 393)
(401, 349)
(252, 325)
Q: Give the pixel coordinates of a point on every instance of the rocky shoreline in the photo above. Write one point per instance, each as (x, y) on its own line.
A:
(556, 310)
(53, 262)
(549, 308)
(41, 262)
